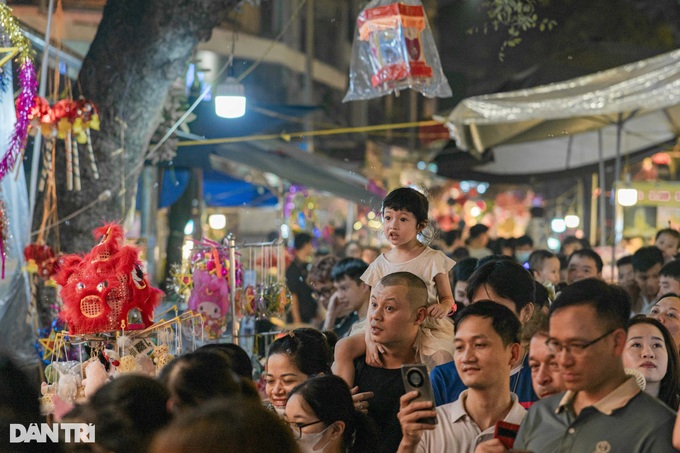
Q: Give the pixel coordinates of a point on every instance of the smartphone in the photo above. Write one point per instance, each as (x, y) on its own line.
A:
(506, 433)
(416, 377)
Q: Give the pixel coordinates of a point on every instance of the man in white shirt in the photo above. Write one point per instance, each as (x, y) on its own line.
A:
(486, 345)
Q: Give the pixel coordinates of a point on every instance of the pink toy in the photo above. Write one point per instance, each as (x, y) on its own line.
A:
(96, 376)
(210, 298)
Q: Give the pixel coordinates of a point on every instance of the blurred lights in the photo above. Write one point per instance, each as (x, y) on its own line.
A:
(475, 211)
(553, 243)
(422, 165)
(571, 221)
(189, 228)
(187, 248)
(285, 231)
(217, 221)
(375, 224)
(371, 215)
(358, 225)
(627, 196)
(465, 186)
(558, 225)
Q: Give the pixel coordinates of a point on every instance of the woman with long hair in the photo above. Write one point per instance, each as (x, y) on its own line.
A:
(651, 350)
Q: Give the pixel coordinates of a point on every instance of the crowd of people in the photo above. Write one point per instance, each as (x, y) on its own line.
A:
(520, 345)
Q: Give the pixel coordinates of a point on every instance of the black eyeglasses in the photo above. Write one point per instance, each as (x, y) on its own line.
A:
(574, 348)
(297, 427)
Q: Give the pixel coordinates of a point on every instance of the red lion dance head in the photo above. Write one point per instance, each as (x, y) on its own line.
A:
(106, 289)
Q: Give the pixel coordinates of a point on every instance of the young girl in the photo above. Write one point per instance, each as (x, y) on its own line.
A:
(404, 212)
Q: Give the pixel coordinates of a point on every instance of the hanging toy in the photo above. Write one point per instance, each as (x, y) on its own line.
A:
(210, 298)
(3, 237)
(394, 49)
(27, 84)
(87, 119)
(106, 288)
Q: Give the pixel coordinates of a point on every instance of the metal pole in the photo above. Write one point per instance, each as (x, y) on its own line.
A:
(232, 287)
(37, 141)
(602, 211)
(617, 178)
(309, 71)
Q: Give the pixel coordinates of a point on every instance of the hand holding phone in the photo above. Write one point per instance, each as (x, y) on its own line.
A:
(416, 377)
(506, 433)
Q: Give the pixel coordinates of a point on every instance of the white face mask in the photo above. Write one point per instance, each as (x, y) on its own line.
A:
(522, 256)
(307, 442)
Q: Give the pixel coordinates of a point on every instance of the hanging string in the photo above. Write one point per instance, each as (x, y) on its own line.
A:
(289, 136)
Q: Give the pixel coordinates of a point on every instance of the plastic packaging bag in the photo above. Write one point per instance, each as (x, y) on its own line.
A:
(393, 50)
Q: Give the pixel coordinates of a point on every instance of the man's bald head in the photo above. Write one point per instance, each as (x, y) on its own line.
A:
(417, 290)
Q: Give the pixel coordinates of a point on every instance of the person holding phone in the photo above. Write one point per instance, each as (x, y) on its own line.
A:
(486, 345)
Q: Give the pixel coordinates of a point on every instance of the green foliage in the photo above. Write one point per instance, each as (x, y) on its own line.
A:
(516, 16)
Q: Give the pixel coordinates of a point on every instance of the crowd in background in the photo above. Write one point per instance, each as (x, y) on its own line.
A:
(532, 339)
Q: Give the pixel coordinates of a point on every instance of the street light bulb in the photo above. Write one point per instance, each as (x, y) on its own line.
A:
(217, 221)
(230, 99)
(558, 225)
(571, 221)
(627, 196)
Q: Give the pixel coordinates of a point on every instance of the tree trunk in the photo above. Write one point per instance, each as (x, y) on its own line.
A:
(140, 48)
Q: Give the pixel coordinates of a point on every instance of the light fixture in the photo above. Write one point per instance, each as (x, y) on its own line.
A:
(571, 220)
(558, 225)
(230, 99)
(189, 228)
(217, 221)
(553, 243)
(626, 196)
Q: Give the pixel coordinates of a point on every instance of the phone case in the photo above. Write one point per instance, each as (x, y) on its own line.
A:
(506, 433)
(416, 377)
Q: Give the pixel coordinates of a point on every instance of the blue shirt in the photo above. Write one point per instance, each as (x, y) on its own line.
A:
(447, 384)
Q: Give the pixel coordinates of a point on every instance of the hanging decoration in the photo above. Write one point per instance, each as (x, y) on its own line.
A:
(206, 286)
(299, 210)
(394, 49)
(40, 259)
(265, 295)
(27, 85)
(106, 289)
(70, 121)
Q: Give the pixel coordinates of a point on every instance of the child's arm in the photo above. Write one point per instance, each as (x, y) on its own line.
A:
(676, 433)
(445, 295)
(346, 350)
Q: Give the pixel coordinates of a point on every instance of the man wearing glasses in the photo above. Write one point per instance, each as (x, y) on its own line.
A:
(603, 410)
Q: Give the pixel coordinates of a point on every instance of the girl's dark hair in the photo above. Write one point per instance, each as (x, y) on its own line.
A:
(670, 384)
(127, 412)
(311, 350)
(202, 375)
(329, 397)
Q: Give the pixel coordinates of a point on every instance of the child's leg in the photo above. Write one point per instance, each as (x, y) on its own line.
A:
(346, 350)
